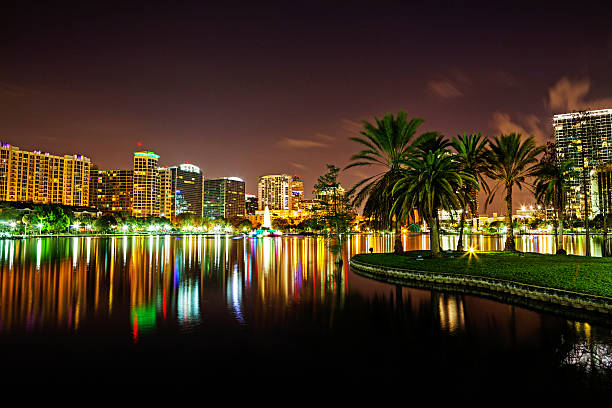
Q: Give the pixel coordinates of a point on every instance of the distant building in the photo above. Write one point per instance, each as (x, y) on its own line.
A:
(166, 193)
(584, 137)
(251, 204)
(297, 192)
(146, 185)
(224, 197)
(43, 178)
(188, 189)
(111, 190)
(274, 191)
(601, 186)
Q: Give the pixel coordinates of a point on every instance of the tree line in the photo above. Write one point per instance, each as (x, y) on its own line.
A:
(429, 173)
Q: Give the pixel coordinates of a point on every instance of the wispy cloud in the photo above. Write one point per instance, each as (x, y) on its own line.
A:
(567, 95)
(298, 165)
(526, 125)
(444, 89)
(290, 143)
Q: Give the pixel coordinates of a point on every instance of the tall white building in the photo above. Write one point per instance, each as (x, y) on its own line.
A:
(275, 191)
(584, 137)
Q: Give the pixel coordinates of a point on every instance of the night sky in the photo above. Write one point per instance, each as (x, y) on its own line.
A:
(279, 88)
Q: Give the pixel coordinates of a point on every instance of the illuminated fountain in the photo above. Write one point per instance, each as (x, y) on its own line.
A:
(266, 228)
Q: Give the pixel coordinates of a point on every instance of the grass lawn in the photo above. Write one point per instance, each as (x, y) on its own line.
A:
(581, 274)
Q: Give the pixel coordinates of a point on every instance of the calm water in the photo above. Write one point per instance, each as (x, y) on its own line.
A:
(127, 308)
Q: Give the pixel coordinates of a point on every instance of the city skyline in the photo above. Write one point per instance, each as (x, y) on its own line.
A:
(290, 82)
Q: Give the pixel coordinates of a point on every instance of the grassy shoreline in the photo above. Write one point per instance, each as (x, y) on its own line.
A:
(579, 274)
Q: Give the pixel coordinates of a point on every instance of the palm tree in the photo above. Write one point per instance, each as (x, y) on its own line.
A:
(512, 160)
(430, 184)
(387, 142)
(551, 189)
(472, 154)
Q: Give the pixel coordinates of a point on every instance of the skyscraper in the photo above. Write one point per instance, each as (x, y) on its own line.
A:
(297, 192)
(275, 192)
(188, 189)
(146, 185)
(43, 178)
(584, 138)
(224, 197)
(166, 192)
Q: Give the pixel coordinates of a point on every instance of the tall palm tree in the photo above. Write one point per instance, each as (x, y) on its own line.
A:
(511, 162)
(472, 153)
(552, 188)
(387, 142)
(430, 184)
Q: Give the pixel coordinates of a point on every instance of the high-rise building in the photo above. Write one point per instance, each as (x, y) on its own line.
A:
(146, 185)
(297, 192)
(251, 203)
(583, 137)
(43, 178)
(224, 197)
(187, 187)
(274, 191)
(111, 190)
(166, 192)
(601, 186)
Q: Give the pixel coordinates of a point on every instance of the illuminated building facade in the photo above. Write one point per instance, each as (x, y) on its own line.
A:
(224, 197)
(166, 193)
(297, 192)
(274, 191)
(111, 190)
(601, 186)
(584, 138)
(251, 203)
(146, 185)
(188, 189)
(43, 178)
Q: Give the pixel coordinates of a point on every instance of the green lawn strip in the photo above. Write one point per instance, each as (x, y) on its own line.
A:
(580, 274)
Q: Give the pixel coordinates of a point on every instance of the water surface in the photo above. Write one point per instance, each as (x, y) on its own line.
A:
(120, 307)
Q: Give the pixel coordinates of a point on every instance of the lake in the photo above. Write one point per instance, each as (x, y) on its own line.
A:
(126, 308)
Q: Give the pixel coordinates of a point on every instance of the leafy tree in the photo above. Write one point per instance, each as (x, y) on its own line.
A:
(387, 142)
(105, 223)
(430, 184)
(334, 206)
(280, 224)
(244, 225)
(52, 217)
(512, 161)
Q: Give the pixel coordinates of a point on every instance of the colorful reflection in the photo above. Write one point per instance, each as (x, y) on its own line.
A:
(164, 281)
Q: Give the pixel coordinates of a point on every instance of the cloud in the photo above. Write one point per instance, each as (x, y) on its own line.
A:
(444, 89)
(298, 165)
(527, 125)
(289, 143)
(567, 95)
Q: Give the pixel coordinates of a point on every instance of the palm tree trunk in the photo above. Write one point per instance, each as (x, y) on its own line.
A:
(434, 239)
(461, 226)
(399, 248)
(561, 218)
(510, 245)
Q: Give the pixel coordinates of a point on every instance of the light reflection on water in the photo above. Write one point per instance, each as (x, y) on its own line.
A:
(184, 283)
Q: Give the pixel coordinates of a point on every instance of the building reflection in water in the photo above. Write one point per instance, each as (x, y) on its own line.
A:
(150, 282)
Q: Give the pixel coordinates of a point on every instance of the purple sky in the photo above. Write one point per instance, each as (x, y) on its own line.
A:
(245, 91)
